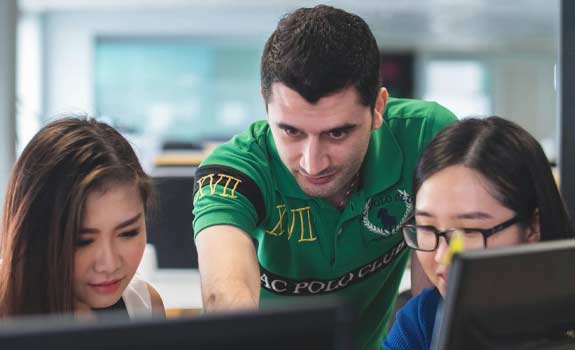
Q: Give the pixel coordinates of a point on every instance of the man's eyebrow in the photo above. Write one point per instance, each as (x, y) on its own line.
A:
(282, 125)
(123, 224)
(344, 127)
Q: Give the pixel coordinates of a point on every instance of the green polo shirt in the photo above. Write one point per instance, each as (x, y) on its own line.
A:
(306, 246)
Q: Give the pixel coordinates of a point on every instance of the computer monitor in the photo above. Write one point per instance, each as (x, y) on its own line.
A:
(323, 325)
(520, 297)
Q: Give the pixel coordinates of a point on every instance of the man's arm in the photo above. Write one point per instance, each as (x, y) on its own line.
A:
(229, 268)
(419, 279)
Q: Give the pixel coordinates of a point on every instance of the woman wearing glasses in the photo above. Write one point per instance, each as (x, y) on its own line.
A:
(489, 179)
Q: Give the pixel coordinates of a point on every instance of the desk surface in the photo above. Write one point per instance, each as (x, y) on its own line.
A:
(179, 158)
(179, 288)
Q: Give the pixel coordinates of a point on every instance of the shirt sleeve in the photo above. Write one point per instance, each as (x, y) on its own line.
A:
(439, 118)
(232, 186)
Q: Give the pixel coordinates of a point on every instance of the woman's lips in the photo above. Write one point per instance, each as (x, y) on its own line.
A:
(442, 274)
(106, 287)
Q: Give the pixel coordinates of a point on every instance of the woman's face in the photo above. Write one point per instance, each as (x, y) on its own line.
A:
(110, 245)
(458, 197)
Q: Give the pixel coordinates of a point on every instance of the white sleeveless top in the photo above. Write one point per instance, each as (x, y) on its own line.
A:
(137, 298)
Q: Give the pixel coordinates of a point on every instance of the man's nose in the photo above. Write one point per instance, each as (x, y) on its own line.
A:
(314, 159)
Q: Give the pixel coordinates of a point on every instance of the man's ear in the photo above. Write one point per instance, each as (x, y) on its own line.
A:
(380, 103)
(534, 230)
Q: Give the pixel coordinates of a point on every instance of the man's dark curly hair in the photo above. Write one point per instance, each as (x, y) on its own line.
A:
(320, 51)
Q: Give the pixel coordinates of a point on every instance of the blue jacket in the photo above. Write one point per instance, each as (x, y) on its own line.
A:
(413, 326)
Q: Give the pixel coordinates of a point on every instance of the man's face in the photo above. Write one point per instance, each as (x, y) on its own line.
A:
(322, 144)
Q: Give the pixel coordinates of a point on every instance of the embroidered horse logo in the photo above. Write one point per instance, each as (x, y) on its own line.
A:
(387, 220)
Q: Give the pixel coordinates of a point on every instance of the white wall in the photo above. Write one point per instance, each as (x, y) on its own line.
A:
(69, 38)
(8, 20)
(520, 85)
(523, 91)
(28, 80)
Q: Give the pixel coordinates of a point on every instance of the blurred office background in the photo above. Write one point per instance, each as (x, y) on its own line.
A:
(178, 76)
(187, 71)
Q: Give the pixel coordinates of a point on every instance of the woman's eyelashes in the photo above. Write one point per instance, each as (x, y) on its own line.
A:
(85, 241)
(82, 242)
(130, 233)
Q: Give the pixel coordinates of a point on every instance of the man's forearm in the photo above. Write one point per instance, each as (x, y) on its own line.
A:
(229, 269)
(231, 296)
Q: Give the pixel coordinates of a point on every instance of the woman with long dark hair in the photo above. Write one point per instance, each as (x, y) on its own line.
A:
(73, 228)
(489, 179)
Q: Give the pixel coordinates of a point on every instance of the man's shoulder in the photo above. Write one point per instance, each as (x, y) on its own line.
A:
(234, 183)
(244, 163)
(409, 119)
(249, 148)
(403, 109)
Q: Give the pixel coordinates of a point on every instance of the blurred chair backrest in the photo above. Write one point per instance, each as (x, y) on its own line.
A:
(181, 146)
(170, 223)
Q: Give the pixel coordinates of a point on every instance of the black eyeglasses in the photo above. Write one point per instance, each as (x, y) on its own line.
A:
(426, 238)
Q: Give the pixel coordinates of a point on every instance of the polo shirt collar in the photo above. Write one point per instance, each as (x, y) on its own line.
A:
(381, 167)
(383, 162)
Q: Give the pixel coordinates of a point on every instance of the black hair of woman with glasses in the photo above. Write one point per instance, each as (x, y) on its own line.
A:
(490, 179)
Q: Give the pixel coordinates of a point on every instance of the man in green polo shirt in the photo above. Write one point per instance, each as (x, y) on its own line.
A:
(323, 185)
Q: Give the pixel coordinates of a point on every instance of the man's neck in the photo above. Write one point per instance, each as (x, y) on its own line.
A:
(340, 199)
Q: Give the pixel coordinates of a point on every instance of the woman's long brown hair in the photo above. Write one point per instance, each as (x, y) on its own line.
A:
(44, 205)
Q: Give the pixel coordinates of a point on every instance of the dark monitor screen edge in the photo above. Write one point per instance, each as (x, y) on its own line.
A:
(323, 325)
(520, 297)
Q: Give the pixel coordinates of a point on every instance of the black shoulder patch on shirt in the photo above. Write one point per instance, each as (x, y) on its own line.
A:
(232, 181)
